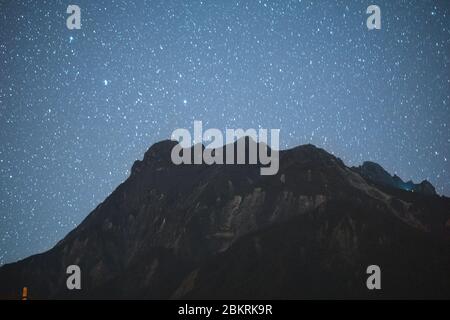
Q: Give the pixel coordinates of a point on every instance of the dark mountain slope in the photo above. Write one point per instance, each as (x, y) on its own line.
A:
(324, 254)
(200, 231)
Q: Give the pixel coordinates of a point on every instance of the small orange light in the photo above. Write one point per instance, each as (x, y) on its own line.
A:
(25, 293)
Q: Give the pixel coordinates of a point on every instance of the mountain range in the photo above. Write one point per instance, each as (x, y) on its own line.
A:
(227, 232)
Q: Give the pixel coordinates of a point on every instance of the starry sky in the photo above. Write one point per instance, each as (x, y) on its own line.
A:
(78, 107)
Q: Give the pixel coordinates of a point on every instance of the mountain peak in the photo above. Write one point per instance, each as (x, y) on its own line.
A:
(376, 173)
(208, 231)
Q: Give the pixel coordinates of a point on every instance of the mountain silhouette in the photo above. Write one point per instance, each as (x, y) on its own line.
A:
(225, 231)
(374, 172)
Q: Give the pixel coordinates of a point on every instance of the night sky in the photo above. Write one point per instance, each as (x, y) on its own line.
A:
(78, 107)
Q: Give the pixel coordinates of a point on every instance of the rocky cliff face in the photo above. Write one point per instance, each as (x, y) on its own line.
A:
(225, 231)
